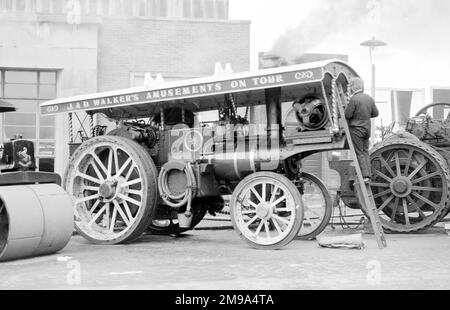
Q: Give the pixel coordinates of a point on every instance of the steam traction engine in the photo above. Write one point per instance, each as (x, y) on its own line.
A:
(162, 168)
(411, 178)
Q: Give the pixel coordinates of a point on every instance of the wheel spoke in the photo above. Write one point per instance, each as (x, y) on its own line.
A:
(277, 226)
(84, 199)
(130, 171)
(88, 177)
(427, 189)
(397, 164)
(258, 230)
(251, 221)
(91, 211)
(426, 177)
(116, 159)
(133, 182)
(405, 212)
(99, 174)
(124, 166)
(416, 171)
(107, 219)
(394, 211)
(278, 201)
(135, 192)
(382, 194)
(252, 204)
(385, 203)
(256, 194)
(386, 165)
(266, 226)
(113, 220)
(110, 160)
(284, 210)
(248, 212)
(130, 200)
(122, 215)
(428, 202)
(99, 162)
(383, 185)
(382, 175)
(408, 162)
(127, 210)
(282, 220)
(91, 188)
(274, 194)
(263, 193)
(103, 209)
(414, 204)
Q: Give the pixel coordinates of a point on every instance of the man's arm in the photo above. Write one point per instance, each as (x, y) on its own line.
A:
(350, 109)
(375, 111)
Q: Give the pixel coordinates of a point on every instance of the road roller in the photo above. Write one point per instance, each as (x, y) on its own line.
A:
(36, 214)
(410, 168)
(176, 149)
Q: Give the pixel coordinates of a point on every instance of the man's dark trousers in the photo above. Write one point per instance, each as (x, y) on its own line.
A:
(360, 137)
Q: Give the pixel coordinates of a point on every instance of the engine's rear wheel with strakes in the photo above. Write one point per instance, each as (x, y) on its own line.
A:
(317, 205)
(411, 185)
(113, 181)
(266, 210)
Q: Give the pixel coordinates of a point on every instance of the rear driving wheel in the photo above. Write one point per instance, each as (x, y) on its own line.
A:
(317, 206)
(266, 210)
(113, 182)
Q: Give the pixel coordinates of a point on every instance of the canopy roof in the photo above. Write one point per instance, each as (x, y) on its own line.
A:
(201, 94)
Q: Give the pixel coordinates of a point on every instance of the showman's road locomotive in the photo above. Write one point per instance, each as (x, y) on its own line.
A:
(411, 177)
(163, 168)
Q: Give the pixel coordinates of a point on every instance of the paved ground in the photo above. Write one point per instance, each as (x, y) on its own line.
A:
(218, 259)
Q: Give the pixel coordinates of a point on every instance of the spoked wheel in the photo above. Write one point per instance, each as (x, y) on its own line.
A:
(266, 210)
(4, 226)
(317, 206)
(411, 185)
(113, 182)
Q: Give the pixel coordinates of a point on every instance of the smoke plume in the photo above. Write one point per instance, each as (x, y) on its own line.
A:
(415, 25)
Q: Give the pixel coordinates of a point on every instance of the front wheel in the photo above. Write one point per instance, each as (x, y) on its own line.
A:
(266, 210)
(113, 183)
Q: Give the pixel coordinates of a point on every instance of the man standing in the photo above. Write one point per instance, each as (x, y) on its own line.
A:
(360, 110)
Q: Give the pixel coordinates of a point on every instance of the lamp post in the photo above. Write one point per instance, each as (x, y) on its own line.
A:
(372, 45)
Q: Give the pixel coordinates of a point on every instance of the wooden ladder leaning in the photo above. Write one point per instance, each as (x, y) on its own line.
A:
(363, 190)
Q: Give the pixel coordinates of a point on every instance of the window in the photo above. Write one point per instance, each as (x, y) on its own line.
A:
(26, 90)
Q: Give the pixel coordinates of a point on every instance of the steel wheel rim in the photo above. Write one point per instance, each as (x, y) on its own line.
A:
(4, 226)
(314, 206)
(106, 212)
(415, 193)
(265, 219)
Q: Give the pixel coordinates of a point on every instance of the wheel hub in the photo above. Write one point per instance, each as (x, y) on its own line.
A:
(107, 190)
(401, 186)
(264, 211)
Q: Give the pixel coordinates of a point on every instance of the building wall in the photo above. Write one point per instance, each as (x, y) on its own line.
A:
(175, 48)
(38, 42)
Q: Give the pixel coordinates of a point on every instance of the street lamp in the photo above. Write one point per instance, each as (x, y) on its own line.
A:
(372, 45)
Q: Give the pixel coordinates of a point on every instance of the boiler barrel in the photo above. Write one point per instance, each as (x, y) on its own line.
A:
(35, 220)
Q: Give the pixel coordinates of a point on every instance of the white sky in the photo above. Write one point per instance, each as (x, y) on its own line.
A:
(405, 62)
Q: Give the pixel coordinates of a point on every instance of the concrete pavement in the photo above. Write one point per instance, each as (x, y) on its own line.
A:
(219, 259)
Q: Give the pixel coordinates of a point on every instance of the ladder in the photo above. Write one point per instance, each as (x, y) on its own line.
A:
(363, 190)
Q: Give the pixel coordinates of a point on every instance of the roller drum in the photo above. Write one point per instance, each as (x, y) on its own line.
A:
(36, 220)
